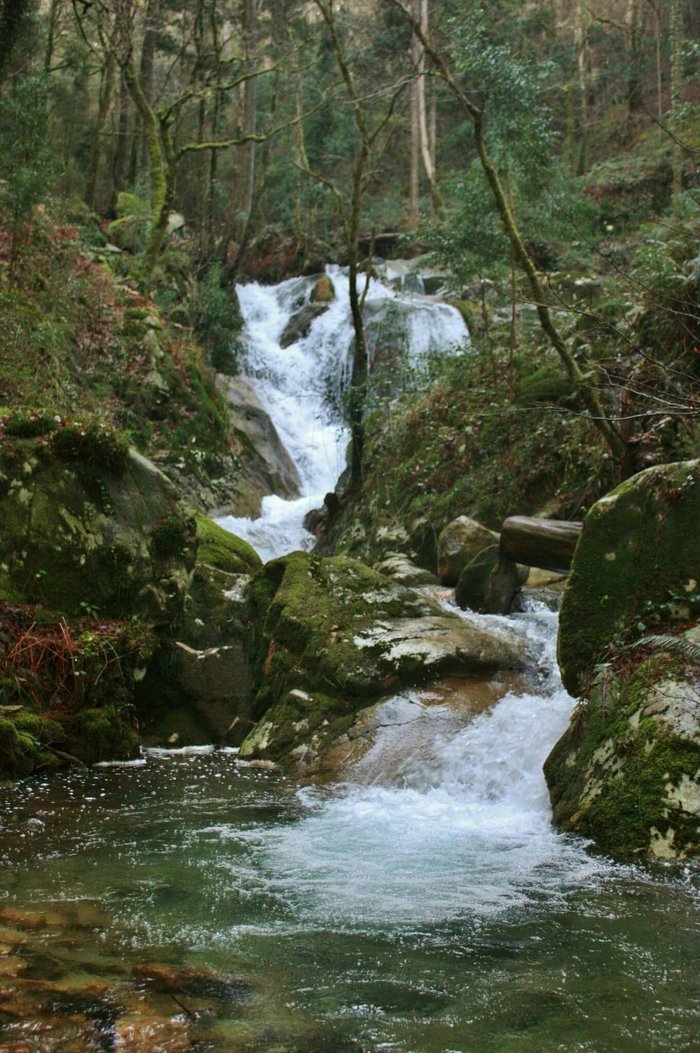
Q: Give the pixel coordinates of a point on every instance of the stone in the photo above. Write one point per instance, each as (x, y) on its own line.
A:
(323, 291)
(89, 525)
(399, 567)
(638, 555)
(200, 983)
(299, 325)
(459, 543)
(626, 773)
(490, 583)
(330, 636)
(143, 1033)
(267, 467)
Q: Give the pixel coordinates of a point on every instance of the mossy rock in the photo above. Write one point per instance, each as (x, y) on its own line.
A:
(336, 629)
(92, 533)
(222, 550)
(638, 558)
(627, 771)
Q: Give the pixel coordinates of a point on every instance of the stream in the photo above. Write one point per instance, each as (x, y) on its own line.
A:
(421, 903)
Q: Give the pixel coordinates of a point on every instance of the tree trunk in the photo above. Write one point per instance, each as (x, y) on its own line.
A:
(105, 101)
(120, 154)
(676, 43)
(423, 118)
(545, 543)
(414, 174)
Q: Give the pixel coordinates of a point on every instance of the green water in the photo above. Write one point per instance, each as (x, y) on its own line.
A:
(200, 860)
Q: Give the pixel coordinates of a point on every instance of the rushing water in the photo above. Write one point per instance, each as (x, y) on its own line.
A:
(424, 905)
(302, 386)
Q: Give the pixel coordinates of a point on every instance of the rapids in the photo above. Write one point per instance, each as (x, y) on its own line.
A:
(303, 386)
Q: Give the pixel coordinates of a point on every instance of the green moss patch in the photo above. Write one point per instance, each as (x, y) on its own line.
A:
(221, 549)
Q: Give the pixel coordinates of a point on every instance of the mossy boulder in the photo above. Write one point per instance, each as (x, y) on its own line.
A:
(323, 291)
(198, 689)
(329, 636)
(490, 582)
(91, 526)
(627, 771)
(638, 558)
(459, 544)
(223, 550)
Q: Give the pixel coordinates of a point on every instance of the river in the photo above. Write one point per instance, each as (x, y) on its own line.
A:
(421, 903)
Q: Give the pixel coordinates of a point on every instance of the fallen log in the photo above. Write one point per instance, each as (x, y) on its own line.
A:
(545, 543)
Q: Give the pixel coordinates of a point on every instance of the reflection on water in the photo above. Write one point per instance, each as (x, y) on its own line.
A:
(434, 911)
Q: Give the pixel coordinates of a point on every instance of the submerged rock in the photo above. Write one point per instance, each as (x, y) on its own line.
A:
(332, 635)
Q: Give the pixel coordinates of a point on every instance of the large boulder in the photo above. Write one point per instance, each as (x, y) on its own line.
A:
(267, 467)
(329, 636)
(91, 526)
(96, 560)
(198, 688)
(459, 544)
(638, 555)
(490, 583)
(627, 771)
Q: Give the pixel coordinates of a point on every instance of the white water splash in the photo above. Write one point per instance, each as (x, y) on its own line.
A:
(302, 388)
(461, 829)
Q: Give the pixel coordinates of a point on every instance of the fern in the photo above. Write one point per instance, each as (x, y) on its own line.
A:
(675, 644)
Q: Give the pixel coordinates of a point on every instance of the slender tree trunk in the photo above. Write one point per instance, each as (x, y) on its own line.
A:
(51, 30)
(245, 189)
(632, 31)
(414, 172)
(105, 101)
(581, 43)
(161, 157)
(122, 143)
(422, 117)
(360, 371)
(676, 43)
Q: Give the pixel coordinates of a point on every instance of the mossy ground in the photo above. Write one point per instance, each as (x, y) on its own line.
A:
(76, 334)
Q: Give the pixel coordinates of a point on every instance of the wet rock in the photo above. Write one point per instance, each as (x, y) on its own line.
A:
(139, 1033)
(331, 635)
(459, 544)
(267, 467)
(638, 551)
(301, 321)
(400, 568)
(627, 770)
(323, 291)
(24, 920)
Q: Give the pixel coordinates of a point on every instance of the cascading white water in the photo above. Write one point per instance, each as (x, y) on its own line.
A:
(459, 827)
(301, 387)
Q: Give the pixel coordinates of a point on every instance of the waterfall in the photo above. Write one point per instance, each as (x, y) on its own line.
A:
(302, 386)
